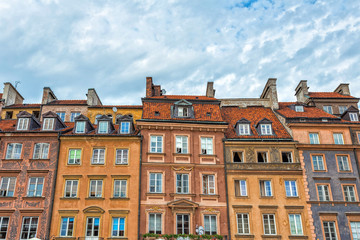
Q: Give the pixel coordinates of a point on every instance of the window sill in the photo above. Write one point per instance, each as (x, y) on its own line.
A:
(155, 194)
(210, 195)
(69, 198)
(268, 197)
(117, 238)
(94, 198)
(207, 155)
(182, 194)
(271, 236)
(120, 198)
(97, 164)
(242, 197)
(33, 198)
(65, 238)
(244, 236)
(292, 197)
(156, 153)
(12, 159)
(121, 164)
(298, 237)
(39, 159)
(7, 198)
(182, 154)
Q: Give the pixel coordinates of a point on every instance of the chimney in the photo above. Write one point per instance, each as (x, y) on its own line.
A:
(343, 89)
(210, 91)
(301, 91)
(48, 96)
(270, 92)
(11, 95)
(151, 89)
(92, 98)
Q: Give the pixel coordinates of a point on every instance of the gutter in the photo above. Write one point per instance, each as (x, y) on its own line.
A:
(183, 121)
(226, 190)
(260, 140)
(139, 199)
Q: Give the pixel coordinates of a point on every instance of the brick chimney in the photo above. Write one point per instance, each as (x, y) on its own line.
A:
(92, 97)
(151, 89)
(270, 92)
(210, 91)
(11, 95)
(343, 89)
(301, 91)
(48, 96)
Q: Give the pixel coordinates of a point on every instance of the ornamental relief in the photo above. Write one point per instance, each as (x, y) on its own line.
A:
(182, 169)
(250, 154)
(155, 209)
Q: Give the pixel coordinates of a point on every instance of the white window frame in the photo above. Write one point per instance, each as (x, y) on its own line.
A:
(96, 184)
(290, 192)
(297, 225)
(342, 109)
(67, 227)
(29, 227)
(37, 185)
(242, 184)
(299, 108)
(96, 156)
(155, 223)
(73, 115)
(61, 115)
(266, 184)
(343, 163)
(349, 193)
(43, 152)
(326, 226)
(122, 156)
(23, 124)
(207, 145)
(156, 143)
(80, 127)
(76, 161)
(92, 228)
(328, 109)
(119, 226)
(182, 184)
(211, 220)
(155, 183)
(338, 138)
(103, 127)
(120, 188)
(355, 229)
(181, 144)
(267, 223)
(208, 184)
(314, 138)
(73, 188)
(8, 184)
(244, 129)
(124, 127)
(13, 154)
(4, 225)
(48, 124)
(183, 111)
(323, 192)
(182, 222)
(354, 117)
(266, 129)
(317, 159)
(240, 223)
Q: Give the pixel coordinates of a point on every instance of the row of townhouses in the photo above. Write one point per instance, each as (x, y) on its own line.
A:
(180, 166)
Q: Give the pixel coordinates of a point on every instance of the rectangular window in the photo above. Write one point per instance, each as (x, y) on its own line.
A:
(208, 184)
(299, 108)
(118, 227)
(122, 156)
(67, 227)
(355, 230)
(182, 183)
(120, 188)
(210, 224)
(323, 192)
(354, 117)
(125, 127)
(243, 225)
(318, 163)
(23, 124)
(269, 224)
(330, 230)
(262, 157)
(349, 193)
(342, 109)
(266, 129)
(238, 157)
(61, 115)
(338, 138)
(29, 227)
(314, 138)
(35, 187)
(98, 156)
(13, 151)
(48, 124)
(181, 144)
(41, 151)
(182, 223)
(183, 112)
(155, 183)
(244, 129)
(71, 187)
(103, 127)
(328, 109)
(240, 188)
(73, 115)
(7, 187)
(206, 145)
(96, 188)
(291, 189)
(74, 156)
(155, 223)
(156, 144)
(265, 188)
(286, 157)
(295, 224)
(343, 163)
(4, 224)
(92, 228)
(80, 127)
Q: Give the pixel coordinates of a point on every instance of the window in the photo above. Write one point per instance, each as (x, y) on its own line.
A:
(355, 230)
(125, 127)
(343, 163)
(48, 124)
(349, 193)
(328, 109)
(74, 156)
(266, 129)
(183, 112)
(61, 115)
(182, 183)
(122, 156)
(73, 115)
(299, 108)
(71, 187)
(240, 188)
(80, 127)
(323, 192)
(295, 224)
(9, 115)
(7, 187)
(181, 144)
(155, 223)
(314, 138)
(262, 157)
(29, 227)
(206, 145)
(269, 224)
(238, 157)
(318, 163)
(330, 230)
(182, 224)
(92, 228)
(208, 184)
(244, 129)
(4, 223)
(265, 188)
(338, 138)
(120, 188)
(354, 117)
(291, 189)
(41, 151)
(96, 188)
(286, 157)
(342, 109)
(98, 156)
(35, 187)
(118, 227)
(243, 225)
(156, 144)
(13, 151)
(103, 127)
(210, 224)
(67, 227)
(23, 124)
(155, 183)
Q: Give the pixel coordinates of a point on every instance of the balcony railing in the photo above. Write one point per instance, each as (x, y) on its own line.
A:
(181, 237)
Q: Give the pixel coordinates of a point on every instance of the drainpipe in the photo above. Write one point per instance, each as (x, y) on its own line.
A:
(227, 193)
(141, 142)
(356, 158)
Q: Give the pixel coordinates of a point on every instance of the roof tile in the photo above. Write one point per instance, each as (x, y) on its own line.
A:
(328, 95)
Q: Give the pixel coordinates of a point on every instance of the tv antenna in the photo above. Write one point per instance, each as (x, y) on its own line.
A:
(16, 83)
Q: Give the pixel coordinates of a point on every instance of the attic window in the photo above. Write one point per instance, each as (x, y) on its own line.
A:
(266, 129)
(299, 108)
(80, 127)
(157, 113)
(342, 109)
(103, 127)
(208, 114)
(238, 157)
(324, 120)
(23, 124)
(9, 115)
(302, 120)
(124, 127)
(244, 129)
(48, 124)
(354, 117)
(262, 157)
(183, 111)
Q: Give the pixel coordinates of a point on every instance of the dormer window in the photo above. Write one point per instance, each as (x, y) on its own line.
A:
(23, 124)
(125, 127)
(299, 108)
(48, 124)
(183, 112)
(80, 127)
(353, 117)
(266, 129)
(103, 127)
(244, 129)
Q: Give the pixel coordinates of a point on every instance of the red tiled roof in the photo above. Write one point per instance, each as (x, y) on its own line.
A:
(118, 106)
(328, 95)
(254, 115)
(8, 125)
(25, 105)
(309, 112)
(187, 97)
(68, 102)
(1, 95)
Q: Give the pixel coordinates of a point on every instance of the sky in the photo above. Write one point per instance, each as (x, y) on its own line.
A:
(114, 45)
